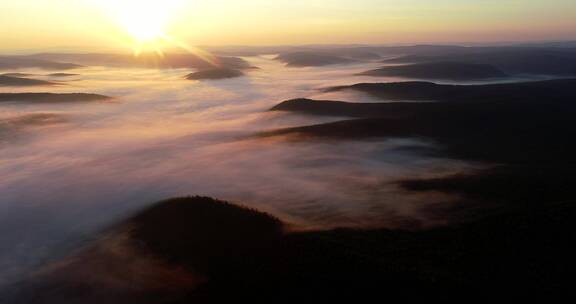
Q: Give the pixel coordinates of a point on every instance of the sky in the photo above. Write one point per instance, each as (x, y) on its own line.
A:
(42, 24)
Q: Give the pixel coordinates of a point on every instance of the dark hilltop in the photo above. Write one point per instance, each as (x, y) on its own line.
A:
(209, 251)
(441, 71)
(50, 97)
(312, 59)
(19, 62)
(559, 62)
(214, 74)
(11, 81)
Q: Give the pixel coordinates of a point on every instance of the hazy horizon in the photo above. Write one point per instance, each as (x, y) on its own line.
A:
(125, 50)
(89, 24)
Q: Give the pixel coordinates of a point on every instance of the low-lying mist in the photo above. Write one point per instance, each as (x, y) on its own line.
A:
(163, 136)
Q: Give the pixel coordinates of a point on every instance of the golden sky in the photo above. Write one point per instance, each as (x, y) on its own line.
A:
(45, 24)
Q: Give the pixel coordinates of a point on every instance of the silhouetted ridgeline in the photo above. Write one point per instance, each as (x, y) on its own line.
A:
(12, 81)
(522, 130)
(510, 225)
(311, 59)
(62, 75)
(513, 61)
(24, 75)
(355, 53)
(203, 233)
(148, 60)
(244, 254)
(19, 62)
(538, 91)
(499, 123)
(374, 52)
(217, 73)
(18, 75)
(347, 51)
(510, 60)
(340, 108)
(441, 70)
(50, 97)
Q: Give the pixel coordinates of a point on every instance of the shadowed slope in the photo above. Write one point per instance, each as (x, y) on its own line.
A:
(243, 254)
(489, 253)
(203, 233)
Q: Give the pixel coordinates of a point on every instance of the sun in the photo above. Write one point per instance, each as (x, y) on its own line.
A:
(143, 20)
(146, 22)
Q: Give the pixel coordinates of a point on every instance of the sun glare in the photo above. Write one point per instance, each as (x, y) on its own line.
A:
(144, 20)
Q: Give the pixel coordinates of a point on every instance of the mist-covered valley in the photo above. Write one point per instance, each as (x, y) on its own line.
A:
(88, 141)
